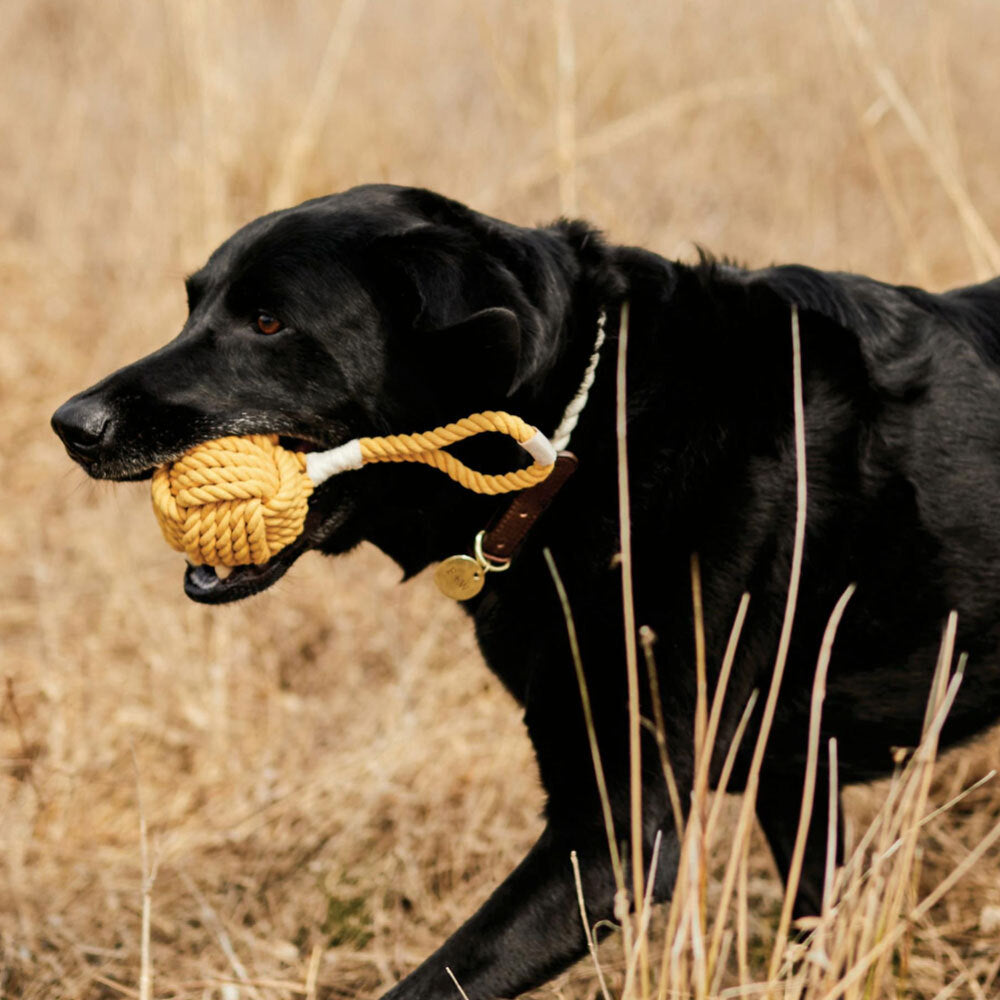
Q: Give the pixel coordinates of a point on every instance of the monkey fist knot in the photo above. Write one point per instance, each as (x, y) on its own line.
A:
(233, 501)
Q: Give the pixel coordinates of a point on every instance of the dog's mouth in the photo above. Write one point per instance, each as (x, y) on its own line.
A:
(220, 585)
(204, 584)
(329, 509)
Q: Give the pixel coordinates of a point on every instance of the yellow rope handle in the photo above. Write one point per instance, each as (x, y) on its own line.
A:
(428, 449)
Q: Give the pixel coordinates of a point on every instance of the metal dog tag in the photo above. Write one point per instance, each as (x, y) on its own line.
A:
(459, 577)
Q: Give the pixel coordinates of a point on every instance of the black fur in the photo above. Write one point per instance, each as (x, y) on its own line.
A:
(403, 310)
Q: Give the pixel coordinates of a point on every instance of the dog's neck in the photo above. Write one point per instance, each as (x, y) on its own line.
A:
(584, 278)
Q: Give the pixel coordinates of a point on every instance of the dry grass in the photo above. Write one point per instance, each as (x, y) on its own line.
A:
(329, 778)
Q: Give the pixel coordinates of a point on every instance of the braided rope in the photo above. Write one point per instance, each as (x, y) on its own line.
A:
(561, 436)
(233, 501)
(237, 501)
(427, 448)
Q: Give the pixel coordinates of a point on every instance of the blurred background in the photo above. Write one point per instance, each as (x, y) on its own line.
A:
(330, 778)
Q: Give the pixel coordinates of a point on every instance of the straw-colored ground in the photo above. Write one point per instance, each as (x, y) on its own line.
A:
(330, 777)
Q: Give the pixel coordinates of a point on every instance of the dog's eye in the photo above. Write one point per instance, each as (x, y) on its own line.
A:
(266, 323)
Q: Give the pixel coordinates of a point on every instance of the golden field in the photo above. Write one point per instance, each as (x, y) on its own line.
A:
(330, 779)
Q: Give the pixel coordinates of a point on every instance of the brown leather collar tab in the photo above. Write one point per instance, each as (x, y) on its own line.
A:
(507, 532)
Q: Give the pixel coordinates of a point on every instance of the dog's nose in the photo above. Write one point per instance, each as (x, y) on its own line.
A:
(82, 424)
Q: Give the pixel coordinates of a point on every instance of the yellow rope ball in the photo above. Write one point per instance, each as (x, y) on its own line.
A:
(233, 501)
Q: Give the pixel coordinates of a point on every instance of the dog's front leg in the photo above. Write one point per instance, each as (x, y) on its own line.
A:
(528, 930)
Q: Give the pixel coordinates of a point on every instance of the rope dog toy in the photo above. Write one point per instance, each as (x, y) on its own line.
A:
(239, 500)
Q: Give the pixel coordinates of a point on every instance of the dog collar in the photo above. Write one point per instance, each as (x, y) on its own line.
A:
(462, 577)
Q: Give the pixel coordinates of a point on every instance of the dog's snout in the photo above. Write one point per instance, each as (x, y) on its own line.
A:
(82, 424)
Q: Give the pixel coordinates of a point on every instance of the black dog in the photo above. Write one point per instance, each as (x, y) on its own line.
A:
(388, 309)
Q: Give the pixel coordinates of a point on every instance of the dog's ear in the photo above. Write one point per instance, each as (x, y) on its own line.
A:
(481, 351)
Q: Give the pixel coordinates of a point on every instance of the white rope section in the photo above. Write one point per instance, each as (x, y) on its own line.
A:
(539, 447)
(560, 439)
(321, 465)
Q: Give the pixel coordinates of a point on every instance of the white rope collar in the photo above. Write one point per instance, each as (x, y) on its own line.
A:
(561, 436)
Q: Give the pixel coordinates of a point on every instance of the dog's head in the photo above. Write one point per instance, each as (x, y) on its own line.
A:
(375, 311)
